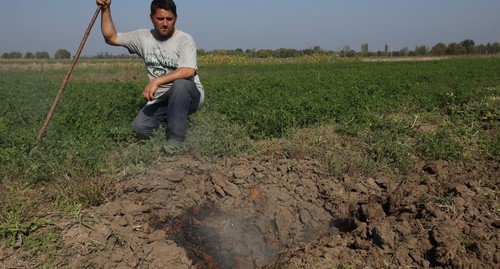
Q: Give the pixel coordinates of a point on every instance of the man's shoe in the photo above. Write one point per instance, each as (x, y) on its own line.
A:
(172, 147)
(174, 143)
(168, 150)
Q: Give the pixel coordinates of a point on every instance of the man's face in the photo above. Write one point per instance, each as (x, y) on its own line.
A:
(164, 23)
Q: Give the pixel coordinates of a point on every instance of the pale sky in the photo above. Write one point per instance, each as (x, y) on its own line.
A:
(48, 25)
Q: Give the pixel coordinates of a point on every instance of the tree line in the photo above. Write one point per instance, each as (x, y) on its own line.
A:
(60, 54)
(466, 47)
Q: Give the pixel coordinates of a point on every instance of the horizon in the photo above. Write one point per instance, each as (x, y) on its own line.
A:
(258, 25)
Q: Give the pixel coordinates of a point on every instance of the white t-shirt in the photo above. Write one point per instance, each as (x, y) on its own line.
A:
(162, 57)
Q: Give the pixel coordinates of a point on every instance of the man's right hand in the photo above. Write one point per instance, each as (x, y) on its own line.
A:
(103, 3)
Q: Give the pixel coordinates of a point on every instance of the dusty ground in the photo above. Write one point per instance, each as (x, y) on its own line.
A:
(272, 212)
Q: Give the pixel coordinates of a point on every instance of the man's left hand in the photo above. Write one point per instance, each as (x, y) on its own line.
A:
(149, 91)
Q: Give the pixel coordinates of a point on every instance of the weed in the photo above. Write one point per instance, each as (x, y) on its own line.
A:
(447, 203)
(45, 243)
(19, 214)
(467, 244)
(14, 231)
(441, 145)
(346, 265)
(95, 246)
(496, 210)
(390, 143)
(90, 191)
(118, 239)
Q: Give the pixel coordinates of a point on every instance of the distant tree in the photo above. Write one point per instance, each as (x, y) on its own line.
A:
(252, 53)
(386, 49)
(495, 48)
(107, 55)
(298, 53)
(421, 50)
(317, 48)
(200, 52)
(42, 55)
(346, 51)
(308, 51)
(289, 53)
(454, 49)
(439, 49)
(221, 52)
(468, 46)
(264, 53)
(489, 48)
(12, 55)
(62, 54)
(103, 55)
(29, 55)
(480, 49)
(280, 53)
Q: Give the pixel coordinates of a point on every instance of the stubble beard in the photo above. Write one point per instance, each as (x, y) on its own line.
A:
(164, 33)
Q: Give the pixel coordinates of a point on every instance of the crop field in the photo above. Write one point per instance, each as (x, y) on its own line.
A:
(381, 102)
(380, 120)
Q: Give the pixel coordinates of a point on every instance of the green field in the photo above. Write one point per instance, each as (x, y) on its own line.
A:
(442, 109)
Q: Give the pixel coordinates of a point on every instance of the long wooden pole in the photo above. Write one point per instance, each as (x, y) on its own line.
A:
(68, 74)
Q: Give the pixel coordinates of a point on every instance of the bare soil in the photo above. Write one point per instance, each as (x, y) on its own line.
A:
(273, 212)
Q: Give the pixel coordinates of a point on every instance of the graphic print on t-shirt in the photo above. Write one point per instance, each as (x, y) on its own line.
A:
(159, 64)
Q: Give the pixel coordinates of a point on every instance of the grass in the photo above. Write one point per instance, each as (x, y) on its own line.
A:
(383, 109)
(381, 105)
(25, 224)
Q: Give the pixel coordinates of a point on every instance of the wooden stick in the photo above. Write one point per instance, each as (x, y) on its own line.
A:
(68, 74)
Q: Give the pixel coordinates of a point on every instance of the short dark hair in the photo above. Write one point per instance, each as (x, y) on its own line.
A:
(163, 4)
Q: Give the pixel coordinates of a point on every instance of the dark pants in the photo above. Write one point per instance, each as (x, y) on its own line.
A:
(171, 110)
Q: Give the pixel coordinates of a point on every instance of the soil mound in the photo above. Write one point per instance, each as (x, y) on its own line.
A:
(273, 212)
